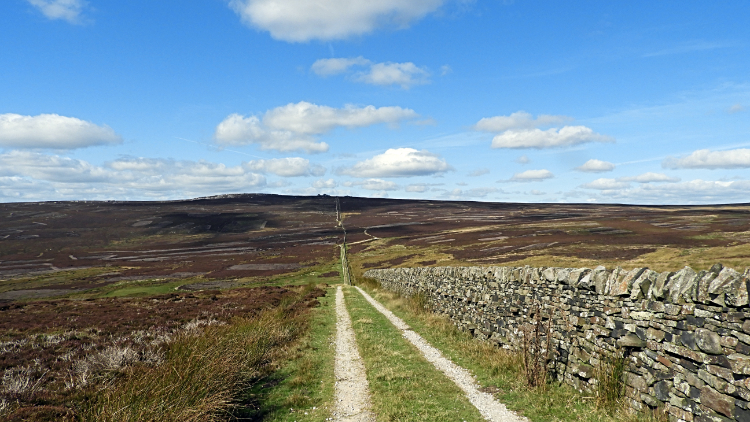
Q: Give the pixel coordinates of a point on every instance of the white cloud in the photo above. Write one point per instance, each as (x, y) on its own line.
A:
(239, 130)
(52, 131)
(596, 166)
(706, 159)
(324, 184)
(550, 138)
(377, 184)
(445, 70)
(735, 108)
(286, 167)
(606, 184)
(691, 192)
(479, 172)
(69, 10)
(532, 176)
(624, 182)
(304, 20)
(537, 192)
(517, 120)
(294, 126)
(416, 187)
(650, 178)
(335, 66)
(404, 74)
(399, 162)
(458, 194)
(523, 160)
(36, 176)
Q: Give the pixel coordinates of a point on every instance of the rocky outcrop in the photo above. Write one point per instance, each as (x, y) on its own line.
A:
(686, 334)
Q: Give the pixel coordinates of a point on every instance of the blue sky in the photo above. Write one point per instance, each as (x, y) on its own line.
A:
(530, 101)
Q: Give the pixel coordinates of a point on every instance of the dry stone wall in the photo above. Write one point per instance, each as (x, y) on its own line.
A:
(685, 334)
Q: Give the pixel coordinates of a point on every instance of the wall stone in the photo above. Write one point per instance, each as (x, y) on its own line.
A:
(685, 334)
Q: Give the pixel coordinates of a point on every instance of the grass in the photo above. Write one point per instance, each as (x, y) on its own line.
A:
(499, 371)
(403, 385)
(202, 377)
(147, 288)
(302, 388)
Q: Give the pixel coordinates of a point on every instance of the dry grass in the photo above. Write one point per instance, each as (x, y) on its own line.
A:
(610, 387)
(201, 376)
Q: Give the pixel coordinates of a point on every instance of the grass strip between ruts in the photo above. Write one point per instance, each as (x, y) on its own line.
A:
(497, 370)
(403, 385)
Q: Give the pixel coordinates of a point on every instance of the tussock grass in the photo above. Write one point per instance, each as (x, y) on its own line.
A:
(501, 372)
(302, 388)
(610, 388)
(202, 376)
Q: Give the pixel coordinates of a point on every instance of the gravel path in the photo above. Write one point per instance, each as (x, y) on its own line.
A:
(491, 409)
(352, 392)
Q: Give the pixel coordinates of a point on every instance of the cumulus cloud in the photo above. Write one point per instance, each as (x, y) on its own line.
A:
(458, 194)
(606, 184)
(52, 131)
(286, 167)
(706, 159)
(53, 177)
(517, 120)
(399, 162)
(324, 184)
(377, 184)
(550, 138)
(521, 130)
(416, 187)
(532, 176)
(404, 74)
(294, 126)
(335, 66)
(650, 178)
(523, 160)
(302, 20)
(624, 182)
(690, 192)
(68, 10)
(479, 172)
(596, 166)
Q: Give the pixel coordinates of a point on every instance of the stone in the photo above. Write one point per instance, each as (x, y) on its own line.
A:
(587, 282)
(688, 340)
(720, 403)
(740, 363)
(636, 381)
(661, 390)
(746, 326)
(708, 341)
(631, 340)
(651, 400)
(642, 316)
(703, 283)
(642, 284)
(682, 286)
(654, 334)
(729, 288)
(574, 277)
(658, 290)
(614, 282)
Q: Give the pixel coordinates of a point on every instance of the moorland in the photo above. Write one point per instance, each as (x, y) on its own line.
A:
(90, 288)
